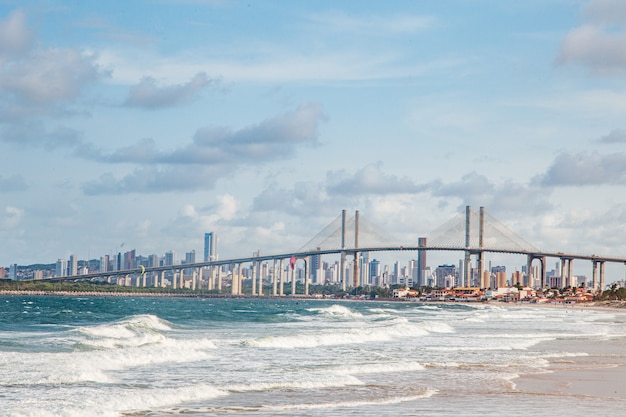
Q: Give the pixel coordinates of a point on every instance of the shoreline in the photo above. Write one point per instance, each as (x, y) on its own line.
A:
(590, 369)
(619, 306)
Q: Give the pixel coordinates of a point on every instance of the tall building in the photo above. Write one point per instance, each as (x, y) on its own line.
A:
(374, 272)
(104, 263)
(72, 265)
(445, 276)
(61, 268)
(190, 258)
(153, 260)
(13, 272)
(170, 258)
(129, 260)
(210, 245)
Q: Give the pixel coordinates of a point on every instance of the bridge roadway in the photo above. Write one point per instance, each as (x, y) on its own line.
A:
(534, 255)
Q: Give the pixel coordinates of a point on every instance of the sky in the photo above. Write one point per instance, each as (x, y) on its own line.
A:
(144, 124)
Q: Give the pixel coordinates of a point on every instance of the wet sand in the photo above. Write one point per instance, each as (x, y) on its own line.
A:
(593, 368)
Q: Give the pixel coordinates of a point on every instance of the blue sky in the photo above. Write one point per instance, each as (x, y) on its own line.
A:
(144, 124)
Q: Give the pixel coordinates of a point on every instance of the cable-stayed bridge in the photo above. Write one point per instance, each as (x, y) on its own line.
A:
(471, 232)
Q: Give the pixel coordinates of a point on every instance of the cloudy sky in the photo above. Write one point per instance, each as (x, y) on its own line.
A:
(145, 124)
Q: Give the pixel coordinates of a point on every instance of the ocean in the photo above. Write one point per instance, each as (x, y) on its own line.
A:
(147, 356)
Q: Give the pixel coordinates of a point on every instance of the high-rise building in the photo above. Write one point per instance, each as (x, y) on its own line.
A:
(61, 268)
(13, 272)
(190, 258)
(445, 276)
(153, 260)
(374, 272)
(501, 279)
(129, 260)
(72, 265)
(210, 246)
(104, 263)
(170, 258)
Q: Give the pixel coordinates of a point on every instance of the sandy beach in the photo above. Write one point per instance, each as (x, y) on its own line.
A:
(591, 367)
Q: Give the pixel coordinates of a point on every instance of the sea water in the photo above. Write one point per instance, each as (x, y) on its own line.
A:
(148, 356)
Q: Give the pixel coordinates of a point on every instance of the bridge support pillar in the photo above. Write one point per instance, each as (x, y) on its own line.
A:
(481, 268)
(293, 279)
(219, 278)
(356, 279)
(481, 260)
(601, 276)
(210, 279)
(281, 275)
(260, 275)
(544, 283)
(342, 263)
(233, 281)
(306, 276)
(570, 274)
(235, 287)
(254, 271)
(274, 279)
(467, 267)
(196, 278)
(342, 271)
(357, 269)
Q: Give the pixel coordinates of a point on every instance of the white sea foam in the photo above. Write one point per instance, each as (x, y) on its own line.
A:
(135, 331)
(310, 381)
(423, 393)
(101, 365)
(336, 311)
(379, 368)
(115, 402)
(347, 336)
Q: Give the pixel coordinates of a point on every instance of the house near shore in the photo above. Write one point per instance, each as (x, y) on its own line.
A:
(405, 292)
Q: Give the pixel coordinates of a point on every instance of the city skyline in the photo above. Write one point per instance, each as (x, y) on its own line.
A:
(144, 124)
(372, 272)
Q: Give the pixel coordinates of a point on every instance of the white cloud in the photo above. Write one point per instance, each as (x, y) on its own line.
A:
(579, 169)
(228, 206)
(147, 94)
(15, 36)
(39, 81)
(370, 180)
(215, 152)
(13, 216)
(600, 43)
(615, 136)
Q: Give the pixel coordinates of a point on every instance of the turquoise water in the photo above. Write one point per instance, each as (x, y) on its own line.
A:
(116, 356)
